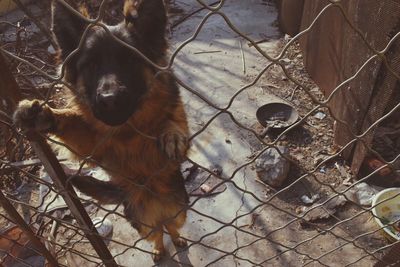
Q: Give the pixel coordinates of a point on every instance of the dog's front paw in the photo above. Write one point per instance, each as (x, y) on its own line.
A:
(158, 254)
(175, 144)
(34, 115)
(180, 242)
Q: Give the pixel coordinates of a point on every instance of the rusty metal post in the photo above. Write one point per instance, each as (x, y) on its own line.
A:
(9, 208)
(57, 174)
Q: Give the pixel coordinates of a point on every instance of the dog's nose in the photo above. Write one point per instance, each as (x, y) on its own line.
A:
(107, 100)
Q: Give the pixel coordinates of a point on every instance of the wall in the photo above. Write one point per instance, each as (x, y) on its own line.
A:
(334, 52)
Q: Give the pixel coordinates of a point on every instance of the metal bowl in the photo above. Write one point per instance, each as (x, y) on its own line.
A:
(277, 115)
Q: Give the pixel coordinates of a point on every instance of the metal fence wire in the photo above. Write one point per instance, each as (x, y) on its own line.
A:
(314, 219)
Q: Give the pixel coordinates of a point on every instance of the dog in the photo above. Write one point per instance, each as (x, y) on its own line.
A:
(114, 90)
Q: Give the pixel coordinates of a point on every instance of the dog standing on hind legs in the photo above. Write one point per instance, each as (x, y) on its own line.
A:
(115, 89)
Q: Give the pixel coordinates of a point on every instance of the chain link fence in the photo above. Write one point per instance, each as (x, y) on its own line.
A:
(314, 218)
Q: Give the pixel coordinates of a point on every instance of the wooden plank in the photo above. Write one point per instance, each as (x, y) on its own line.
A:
(290, 14)
(392, 258)
(334, 52)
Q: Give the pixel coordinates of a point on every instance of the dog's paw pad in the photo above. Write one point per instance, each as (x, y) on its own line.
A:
(33, 115)
(180, 242)
(174, 144)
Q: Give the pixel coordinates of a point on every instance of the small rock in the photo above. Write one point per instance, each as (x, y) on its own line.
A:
(300, 209)
(205, 188)
(307, 200)
(271, 167)
(217, 169)
(320, 115)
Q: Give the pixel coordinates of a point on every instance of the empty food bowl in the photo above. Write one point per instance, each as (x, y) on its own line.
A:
(277, 115)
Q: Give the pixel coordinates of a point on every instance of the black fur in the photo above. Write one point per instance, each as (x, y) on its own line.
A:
(110, 193)
(111, 74)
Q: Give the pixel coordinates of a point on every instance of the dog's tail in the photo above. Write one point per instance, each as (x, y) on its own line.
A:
(103, 192)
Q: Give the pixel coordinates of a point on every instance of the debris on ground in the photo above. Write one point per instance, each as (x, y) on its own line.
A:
(205, 188)
(272, 167)
(201, 183)
(319, 158)
(364, 193)
(309, 200)
(276, 123)
(320, 115)
(344, 173)
(14, 240)
(361, 194)
(321, 210)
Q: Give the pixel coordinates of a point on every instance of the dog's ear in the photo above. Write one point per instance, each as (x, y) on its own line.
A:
(148, 19)
(67, 28)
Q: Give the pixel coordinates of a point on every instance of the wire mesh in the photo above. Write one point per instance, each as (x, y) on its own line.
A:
(248, 223)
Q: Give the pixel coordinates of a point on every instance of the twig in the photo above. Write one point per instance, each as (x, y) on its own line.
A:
(294, 91)
(243, 58)
(207, 52)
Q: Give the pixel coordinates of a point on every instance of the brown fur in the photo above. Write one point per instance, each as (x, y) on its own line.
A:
(151, 182)
(142, 155)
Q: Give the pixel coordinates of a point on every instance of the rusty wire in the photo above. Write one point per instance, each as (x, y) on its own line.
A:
(215, 10)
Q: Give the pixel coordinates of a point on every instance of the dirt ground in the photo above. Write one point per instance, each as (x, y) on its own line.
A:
(249, 223)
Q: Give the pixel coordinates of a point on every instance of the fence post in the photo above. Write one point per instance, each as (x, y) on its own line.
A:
(9, 208)
(57, 174)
